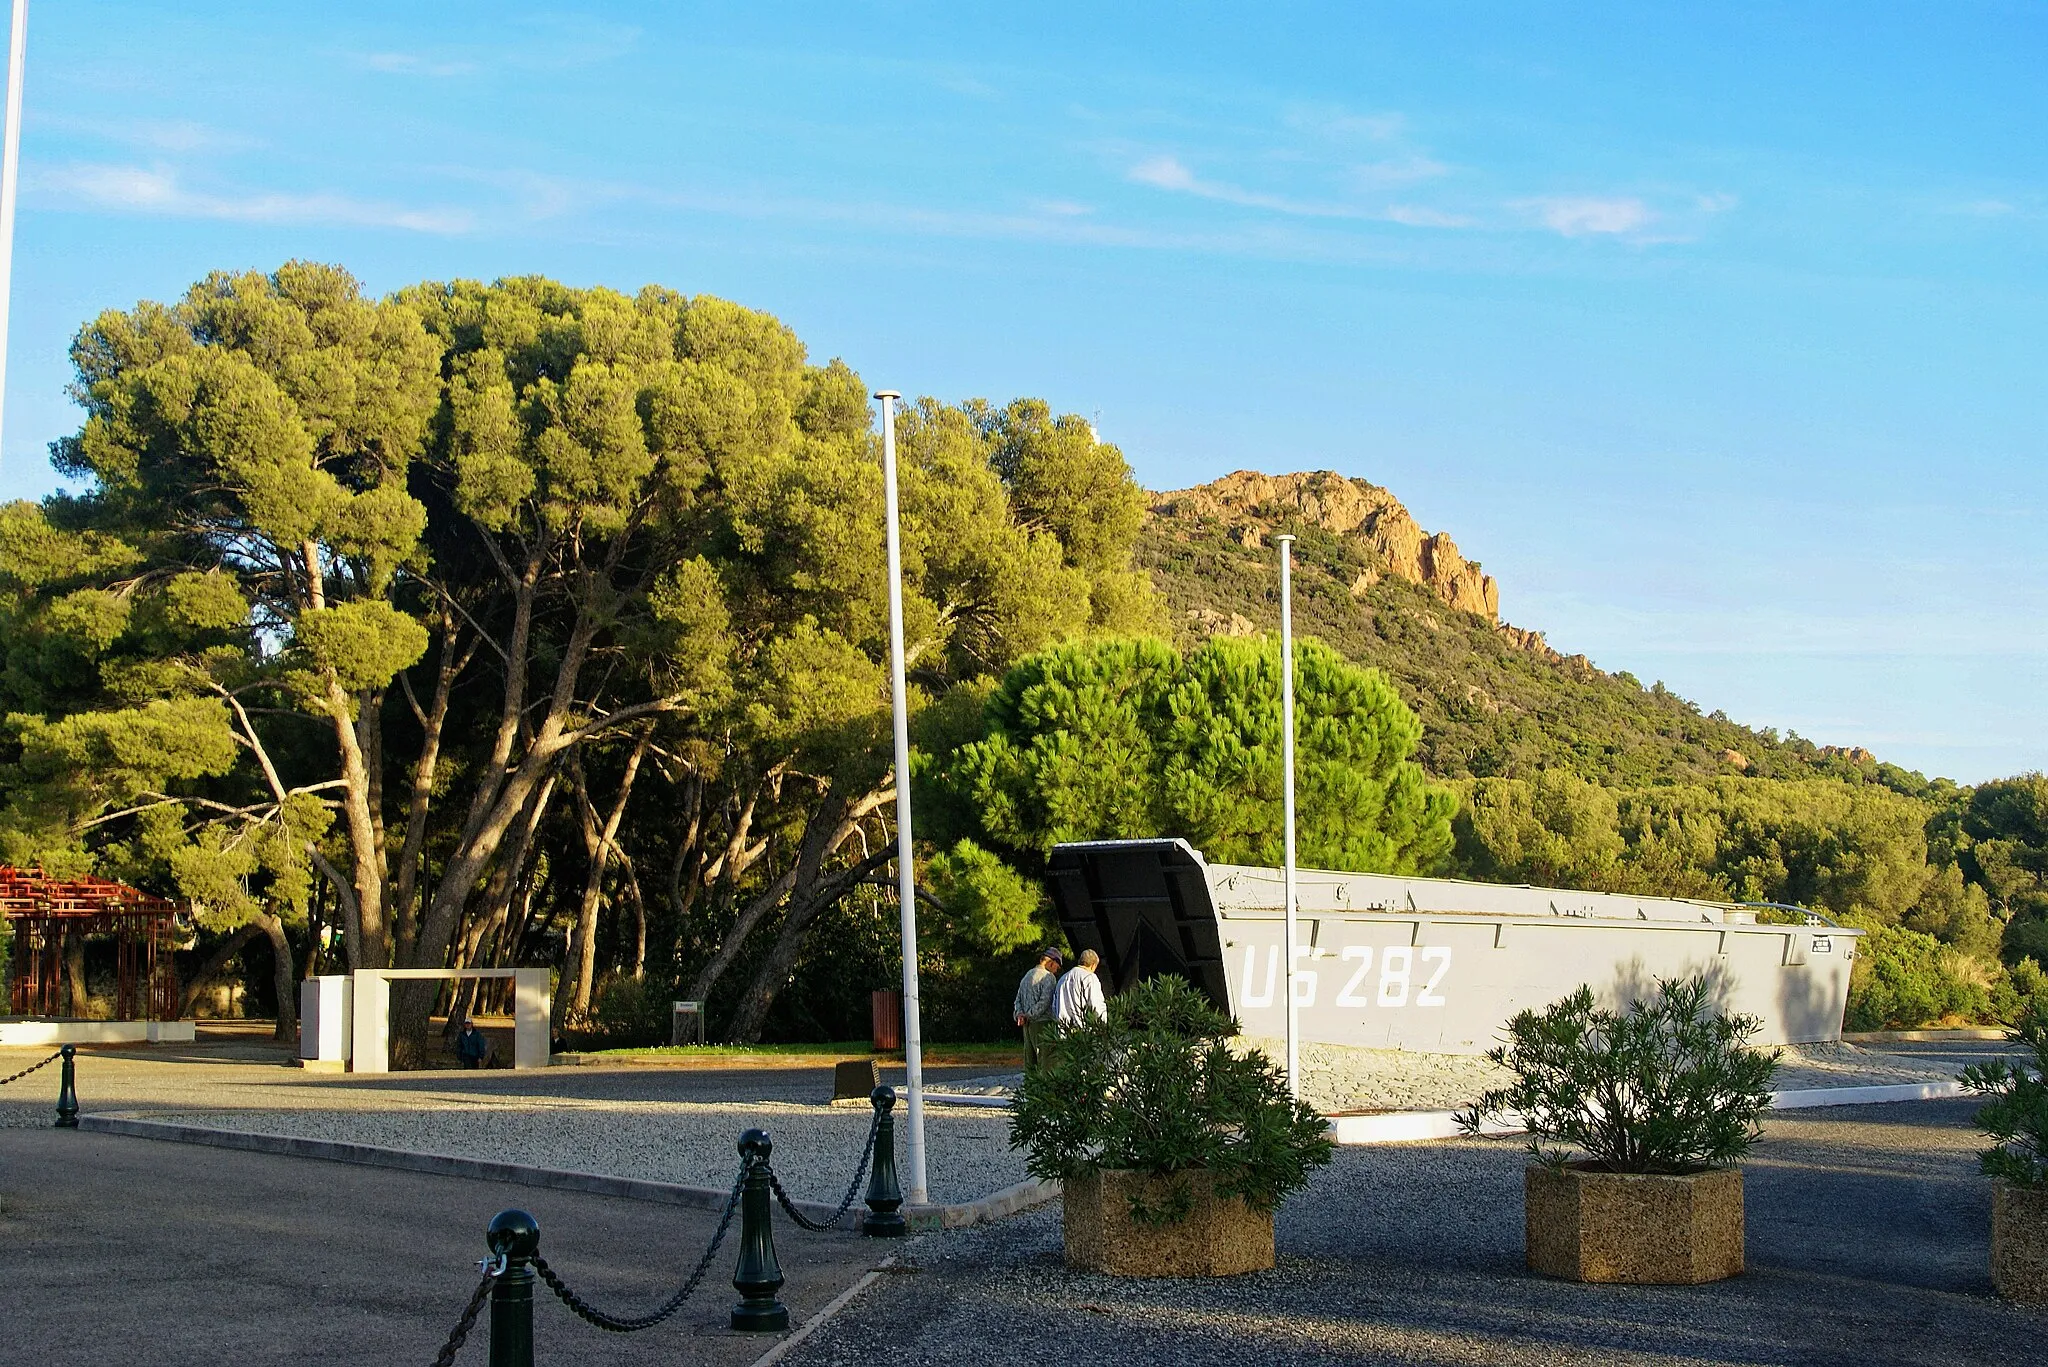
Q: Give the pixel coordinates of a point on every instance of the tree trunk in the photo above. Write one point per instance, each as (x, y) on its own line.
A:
(774, 971)
(281, 977)
(74, 974)
(214, 967)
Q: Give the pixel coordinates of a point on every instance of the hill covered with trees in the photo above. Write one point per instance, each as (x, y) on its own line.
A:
(1571, 775)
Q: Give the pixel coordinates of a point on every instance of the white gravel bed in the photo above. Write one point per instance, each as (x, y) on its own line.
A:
(1338, 1078)
(967, 1155)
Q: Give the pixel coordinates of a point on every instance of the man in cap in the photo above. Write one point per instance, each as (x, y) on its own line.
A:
(1080, 993)
(1033, 1006)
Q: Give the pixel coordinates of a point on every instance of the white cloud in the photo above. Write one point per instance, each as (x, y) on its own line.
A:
(413, 64)
(1062, 208)
(1334, 121)
(156, 190)
(1170, 173)
(1589, 215)
(1985, 208)
(1719, 202)
(1416, 216)
(1398, 171)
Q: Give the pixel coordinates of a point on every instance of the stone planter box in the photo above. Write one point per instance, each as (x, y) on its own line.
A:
(2019, 1243)
(1219, 1237)
(1592, 1226)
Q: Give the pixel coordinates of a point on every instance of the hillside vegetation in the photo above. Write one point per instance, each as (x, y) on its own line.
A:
(1568, 774)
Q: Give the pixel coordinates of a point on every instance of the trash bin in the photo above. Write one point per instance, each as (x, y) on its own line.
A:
(686, 1023)
(887, 1013)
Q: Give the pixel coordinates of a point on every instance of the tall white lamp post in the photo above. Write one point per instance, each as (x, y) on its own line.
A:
(1287, 800)
(10, 174)
(906, 872)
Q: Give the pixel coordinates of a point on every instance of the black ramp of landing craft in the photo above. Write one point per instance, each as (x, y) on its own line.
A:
(1144, 906)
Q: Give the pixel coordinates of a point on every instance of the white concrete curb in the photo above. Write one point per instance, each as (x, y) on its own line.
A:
(817, 1321)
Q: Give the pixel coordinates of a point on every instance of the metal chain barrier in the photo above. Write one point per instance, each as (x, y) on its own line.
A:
(620, 1325)
(31, 1068)
(460, 1333)
(867, 1152)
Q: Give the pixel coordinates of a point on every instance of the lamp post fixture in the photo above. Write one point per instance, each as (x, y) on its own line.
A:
(917, 1193)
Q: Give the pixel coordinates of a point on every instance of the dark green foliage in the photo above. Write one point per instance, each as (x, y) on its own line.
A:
(2016, 1117)
(1118, 738)
(1905, 979)
(1667, 1084)
(1158, 1089)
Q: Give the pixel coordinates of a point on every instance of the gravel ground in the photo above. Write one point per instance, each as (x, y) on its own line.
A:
(1868, 1231)
(1339, 1078)
(667, 1125)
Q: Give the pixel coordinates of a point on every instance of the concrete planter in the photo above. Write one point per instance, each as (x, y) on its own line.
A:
(1591, 1226)
(2019, 1243)
(1219, 1237)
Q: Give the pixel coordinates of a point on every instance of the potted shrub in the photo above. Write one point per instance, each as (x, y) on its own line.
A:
(1172, 1148)
(1634, 1119)
(2016, 1121)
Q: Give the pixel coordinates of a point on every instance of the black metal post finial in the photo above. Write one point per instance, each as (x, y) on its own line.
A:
(67, 1091)
(514, 1236)
(884, 1219)
(758, 1276)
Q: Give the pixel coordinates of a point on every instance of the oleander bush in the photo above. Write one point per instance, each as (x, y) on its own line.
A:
(1157, 1088)
(2015, 1118)
(1668, 1084)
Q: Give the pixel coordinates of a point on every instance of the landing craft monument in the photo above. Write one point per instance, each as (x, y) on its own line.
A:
(1434, 965)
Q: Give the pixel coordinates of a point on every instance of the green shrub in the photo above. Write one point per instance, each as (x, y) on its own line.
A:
(2016, 1117)
(1666, 1085)
(1904, 979)
(626, 1011)
(1157, 1089)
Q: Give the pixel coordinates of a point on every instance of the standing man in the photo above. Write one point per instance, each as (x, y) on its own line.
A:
(1080, 993)
(1033, 1006)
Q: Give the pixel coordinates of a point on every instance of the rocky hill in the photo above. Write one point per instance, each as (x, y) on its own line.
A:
(1494, 699)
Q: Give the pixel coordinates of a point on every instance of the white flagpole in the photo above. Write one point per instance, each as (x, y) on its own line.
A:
(918, 1193)
(1287, 800)
(10, 174)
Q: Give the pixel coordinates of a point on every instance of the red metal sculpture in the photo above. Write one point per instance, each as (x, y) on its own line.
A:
(47, 912)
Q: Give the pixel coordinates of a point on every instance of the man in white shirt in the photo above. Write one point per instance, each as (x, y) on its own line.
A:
(1079, 994)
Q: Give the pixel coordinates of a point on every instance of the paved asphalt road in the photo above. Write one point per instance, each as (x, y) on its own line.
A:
(118, 1251)
(1867, 1241)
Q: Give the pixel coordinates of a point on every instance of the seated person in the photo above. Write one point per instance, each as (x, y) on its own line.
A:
(473, 1046)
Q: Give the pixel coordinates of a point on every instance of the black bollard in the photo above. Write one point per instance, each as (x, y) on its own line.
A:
(514, 1236)
(759, 1275)
(67, 1091)
(884, 1219)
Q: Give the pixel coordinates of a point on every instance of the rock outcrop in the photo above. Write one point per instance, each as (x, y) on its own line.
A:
(1251, 506)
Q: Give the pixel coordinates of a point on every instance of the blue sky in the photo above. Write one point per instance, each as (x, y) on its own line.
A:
(1720, 336)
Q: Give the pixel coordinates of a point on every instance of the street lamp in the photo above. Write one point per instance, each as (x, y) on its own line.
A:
(10, 174)
(1287, 801)
(917, 1193)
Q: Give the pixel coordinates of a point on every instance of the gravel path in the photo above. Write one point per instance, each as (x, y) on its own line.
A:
(681, 1125)
(1338, 1078)
(1868, 1229)
(666, 1125)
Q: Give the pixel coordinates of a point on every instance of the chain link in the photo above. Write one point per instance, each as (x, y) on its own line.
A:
(31, 1068)
(620, 1325)
(867, 1153)
(456, 1336)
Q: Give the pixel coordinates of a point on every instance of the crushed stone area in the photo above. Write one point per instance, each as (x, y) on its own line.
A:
(1867, 1237)
(1335, 1078)
(696, 1145)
